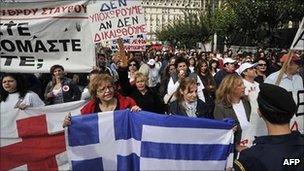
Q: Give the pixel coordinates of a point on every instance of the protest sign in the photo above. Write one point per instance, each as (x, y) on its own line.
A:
(132, 43)
(115, 19)
(298, 41)
(35, 36)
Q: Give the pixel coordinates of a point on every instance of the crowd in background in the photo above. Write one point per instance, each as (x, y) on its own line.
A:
(187, 83)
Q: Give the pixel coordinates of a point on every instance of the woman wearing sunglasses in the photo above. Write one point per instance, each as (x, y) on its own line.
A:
(261, 70)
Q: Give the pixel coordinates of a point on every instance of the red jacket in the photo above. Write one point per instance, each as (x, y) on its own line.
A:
(124, 103)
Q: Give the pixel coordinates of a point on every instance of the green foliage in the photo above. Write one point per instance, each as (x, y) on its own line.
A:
(259, 20)
(185, 33)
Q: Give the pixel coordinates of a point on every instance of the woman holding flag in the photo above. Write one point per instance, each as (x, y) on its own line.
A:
(104, 98)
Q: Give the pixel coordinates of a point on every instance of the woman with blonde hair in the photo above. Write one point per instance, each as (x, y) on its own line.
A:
(145, 97)
(187, 102)
(231, 102)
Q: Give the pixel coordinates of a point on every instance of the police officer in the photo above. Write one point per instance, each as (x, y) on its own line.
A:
(281, 146)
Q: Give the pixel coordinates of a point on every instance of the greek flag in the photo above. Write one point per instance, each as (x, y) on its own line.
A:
(125, 140)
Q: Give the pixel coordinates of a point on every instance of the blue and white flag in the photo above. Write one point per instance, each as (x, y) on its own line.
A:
(125, 140)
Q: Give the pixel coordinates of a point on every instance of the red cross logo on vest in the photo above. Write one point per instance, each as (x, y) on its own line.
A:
(37, 149)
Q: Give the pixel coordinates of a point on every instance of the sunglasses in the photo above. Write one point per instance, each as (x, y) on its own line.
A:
(262, 65)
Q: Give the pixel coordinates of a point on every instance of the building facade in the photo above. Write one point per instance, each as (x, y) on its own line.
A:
(159, 13)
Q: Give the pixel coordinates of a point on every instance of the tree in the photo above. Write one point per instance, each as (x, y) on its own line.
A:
(185, 33)
(259, 20)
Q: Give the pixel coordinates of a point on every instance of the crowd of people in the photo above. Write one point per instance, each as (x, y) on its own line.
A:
(187, 83)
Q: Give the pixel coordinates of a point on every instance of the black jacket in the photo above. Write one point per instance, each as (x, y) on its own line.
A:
(202, 109)
(72, 94)
(271, 152)
(148, 102)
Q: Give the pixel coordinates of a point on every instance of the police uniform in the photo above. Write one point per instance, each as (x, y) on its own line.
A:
(274, 152)
(271, 152)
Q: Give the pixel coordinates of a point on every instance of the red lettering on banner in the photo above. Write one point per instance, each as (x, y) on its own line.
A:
(121, 32)
(37, 150)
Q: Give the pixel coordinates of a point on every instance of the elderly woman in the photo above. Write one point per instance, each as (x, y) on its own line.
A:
(187, 102)
(104, 98)
(61, 89)
(145, 97)
(15, 94)
(231, 102)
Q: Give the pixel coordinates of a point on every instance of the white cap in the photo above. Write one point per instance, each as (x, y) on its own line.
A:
(245, 66)
(151, 62)
(228, 60)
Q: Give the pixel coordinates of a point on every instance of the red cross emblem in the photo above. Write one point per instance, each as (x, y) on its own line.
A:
(37, 149)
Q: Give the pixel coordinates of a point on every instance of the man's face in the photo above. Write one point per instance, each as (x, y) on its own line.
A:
(251, 72)
(182, 66)
(101, 60)
(230, 66)
(293, 67)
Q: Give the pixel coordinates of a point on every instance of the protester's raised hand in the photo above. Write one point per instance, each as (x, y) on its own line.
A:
(181, 74)
(135, 108)
(67, 121)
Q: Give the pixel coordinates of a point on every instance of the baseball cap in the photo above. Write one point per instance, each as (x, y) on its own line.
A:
(245, 66)
(151, 62)
(228, 60)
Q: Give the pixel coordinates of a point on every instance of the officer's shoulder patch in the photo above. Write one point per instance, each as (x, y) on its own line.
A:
(238, 165)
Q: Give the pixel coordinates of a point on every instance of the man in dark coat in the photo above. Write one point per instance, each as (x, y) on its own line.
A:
(281, 146)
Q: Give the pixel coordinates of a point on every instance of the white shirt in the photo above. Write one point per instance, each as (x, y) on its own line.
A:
(251, 89)
(31, 99)
(85, 95)
(293, 84)
(241, 114)
(154, 77)
(172, 87)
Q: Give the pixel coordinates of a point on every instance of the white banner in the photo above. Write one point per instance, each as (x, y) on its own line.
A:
(35, 36)
(298, 41)
(115, 19)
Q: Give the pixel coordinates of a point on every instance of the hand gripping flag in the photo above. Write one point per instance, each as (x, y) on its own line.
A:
(125, 140)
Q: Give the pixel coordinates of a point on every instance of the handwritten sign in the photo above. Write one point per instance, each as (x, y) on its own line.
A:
(115, 19)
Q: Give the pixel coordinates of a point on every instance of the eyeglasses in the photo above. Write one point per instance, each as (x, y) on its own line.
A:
(262, 65)
(132, 64)
(104, 89)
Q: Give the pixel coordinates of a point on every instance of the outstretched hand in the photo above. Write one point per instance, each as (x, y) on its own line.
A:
(67, 120)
